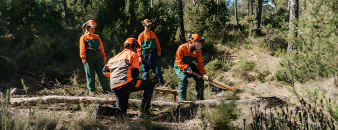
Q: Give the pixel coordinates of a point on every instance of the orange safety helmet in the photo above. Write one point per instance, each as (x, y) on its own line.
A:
(147, 22)
(196, 39)
(132, 42)
(90, 23)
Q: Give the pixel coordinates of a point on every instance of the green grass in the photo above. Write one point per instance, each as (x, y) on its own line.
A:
(246, 65)
(222, 116)
(261, 76)
(218, 64)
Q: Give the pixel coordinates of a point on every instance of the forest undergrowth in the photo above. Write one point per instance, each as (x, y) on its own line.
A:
(256, 62)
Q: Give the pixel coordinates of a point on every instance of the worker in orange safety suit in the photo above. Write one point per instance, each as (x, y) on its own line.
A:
(123, 71)
(149, 52)
(185, 55)
(93, 57)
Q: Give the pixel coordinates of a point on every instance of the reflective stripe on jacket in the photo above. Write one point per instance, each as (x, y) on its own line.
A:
(92, 41)
(148, 41)
(120, 68)
(184, 58)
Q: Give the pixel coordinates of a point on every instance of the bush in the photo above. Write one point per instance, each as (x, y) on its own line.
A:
(170, 77)
(207, 19)
(261, 76)
(246, 65)
(280, 75)
(217, 64)
(223, 115)
(315, 48)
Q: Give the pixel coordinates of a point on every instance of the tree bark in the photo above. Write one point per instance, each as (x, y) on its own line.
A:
(133, 102)
(248, 10)
(293, 8)
(65, 11)
(151, 3)
(236, 21)
(259, 14)
(180, 21)
(252, 4)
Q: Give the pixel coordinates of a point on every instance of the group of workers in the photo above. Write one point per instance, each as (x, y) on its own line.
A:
(123, 69)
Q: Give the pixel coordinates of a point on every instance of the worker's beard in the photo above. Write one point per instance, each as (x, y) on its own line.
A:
(192, 48)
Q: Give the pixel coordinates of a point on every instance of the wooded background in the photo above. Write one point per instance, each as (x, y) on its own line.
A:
(39, 39)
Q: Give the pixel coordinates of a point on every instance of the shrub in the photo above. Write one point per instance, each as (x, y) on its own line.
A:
(280, 75)
(261, 76)
(246, 65)
(223, 115)
(170, 78)
(248, 77)
(315, 47)
(217, 64)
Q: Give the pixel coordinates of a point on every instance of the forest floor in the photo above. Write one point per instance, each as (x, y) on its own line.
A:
(258, 81)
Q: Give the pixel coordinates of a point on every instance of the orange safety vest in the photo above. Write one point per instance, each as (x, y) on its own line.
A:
(120, 68)
(88, 38)
(148, 41)
(184, 58)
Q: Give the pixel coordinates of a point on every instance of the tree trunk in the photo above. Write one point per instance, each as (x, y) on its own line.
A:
(133, 102)
(252, 4)
(248, 10)
(65, 11)
(180, 21)
(259, 14)
(151, 3)
(236, 21)
(294, 8)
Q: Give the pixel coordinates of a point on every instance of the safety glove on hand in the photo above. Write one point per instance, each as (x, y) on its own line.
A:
(139, 59)
(84, 61)
(205, 77)
(189, 70)
(158, 53)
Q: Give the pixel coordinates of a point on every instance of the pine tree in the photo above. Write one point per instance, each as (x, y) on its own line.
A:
(293, 8)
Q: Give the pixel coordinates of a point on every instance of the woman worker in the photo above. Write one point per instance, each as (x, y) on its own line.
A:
(93, 57)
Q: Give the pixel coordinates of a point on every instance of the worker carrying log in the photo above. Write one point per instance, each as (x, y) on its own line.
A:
(149, 52)
(185, 55)
(123, 71)
(93, 57)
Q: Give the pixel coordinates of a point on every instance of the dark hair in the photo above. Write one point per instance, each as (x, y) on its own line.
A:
(129, 45)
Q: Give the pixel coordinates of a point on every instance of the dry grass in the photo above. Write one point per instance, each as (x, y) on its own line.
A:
(252, 51)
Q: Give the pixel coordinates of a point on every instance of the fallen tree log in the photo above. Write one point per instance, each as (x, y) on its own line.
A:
(133, 102)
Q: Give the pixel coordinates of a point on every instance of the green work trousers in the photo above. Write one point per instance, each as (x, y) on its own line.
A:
(95, 63)
(183, 83)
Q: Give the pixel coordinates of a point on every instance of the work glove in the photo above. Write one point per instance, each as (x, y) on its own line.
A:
(84, 61)
(158, 53)
(189, 70)
(140, 59)
(205, 77)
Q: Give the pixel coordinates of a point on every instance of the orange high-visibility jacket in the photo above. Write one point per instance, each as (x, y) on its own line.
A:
(147, 41)
(184, 58)
(91, 41)
(120, 68)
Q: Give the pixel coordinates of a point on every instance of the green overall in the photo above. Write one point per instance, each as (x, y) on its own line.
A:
(183, 81)
(94, 63)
